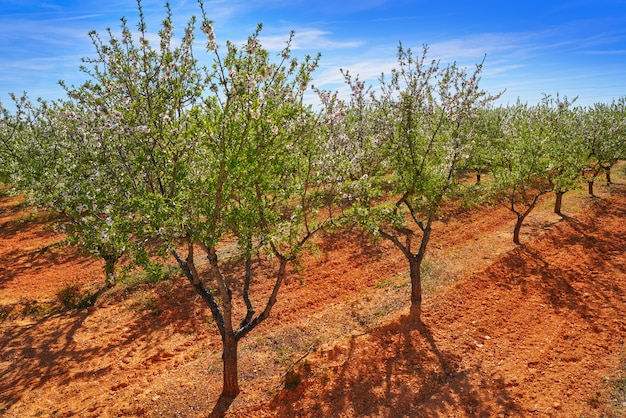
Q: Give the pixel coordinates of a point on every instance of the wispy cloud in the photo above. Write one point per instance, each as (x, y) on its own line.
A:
(478, 45)
(42, 64)
(367, 70)
(308, 39)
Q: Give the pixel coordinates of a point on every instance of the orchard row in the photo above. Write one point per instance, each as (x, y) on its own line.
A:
(157, 156)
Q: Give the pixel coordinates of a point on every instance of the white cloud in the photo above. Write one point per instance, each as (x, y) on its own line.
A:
(475, 47)
(307, 39)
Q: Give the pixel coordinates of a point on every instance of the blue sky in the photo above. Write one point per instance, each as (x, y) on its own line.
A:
(574, 48)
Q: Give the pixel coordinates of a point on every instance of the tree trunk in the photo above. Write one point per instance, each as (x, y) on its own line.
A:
(518, 227)
(415, 264)
(478, 177)
(230, 389)
(590, 187)
(608, 176)
(558, 202)
(110, 262)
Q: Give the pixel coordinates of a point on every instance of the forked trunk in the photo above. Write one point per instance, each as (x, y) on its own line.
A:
(230, 389)
(415, 274)
(558, 202)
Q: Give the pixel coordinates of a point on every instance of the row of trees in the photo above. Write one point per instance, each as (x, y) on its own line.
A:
(554, 146)
(157, 156)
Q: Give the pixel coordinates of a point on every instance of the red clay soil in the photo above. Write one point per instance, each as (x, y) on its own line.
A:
(529, 331)
(537, 333)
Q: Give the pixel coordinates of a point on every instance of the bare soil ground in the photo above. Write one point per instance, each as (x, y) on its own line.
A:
(536, 330)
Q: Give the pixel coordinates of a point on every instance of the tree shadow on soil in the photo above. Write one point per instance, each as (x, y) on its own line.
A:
(401, 371)
(574, 283)
(17, 261)
(70, 347)
(35, 353)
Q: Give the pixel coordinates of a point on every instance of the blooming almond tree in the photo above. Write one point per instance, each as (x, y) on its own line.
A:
(432, 108)
(214, 165)
(520, 167)
(11, 124)
(48, 159)
(352, 132)
(561, 124)
(12, 127)
(420, 126)
(604, 127)
(487, 128)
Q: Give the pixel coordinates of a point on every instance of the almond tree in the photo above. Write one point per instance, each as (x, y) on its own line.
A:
(487, 127)
(604, 132)
(561, 125)
(207, 158)
(352, 131)
(519, 166)
(420, 125)
(48, 159)
(12, 124)
(17, 130)
(258, 183)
